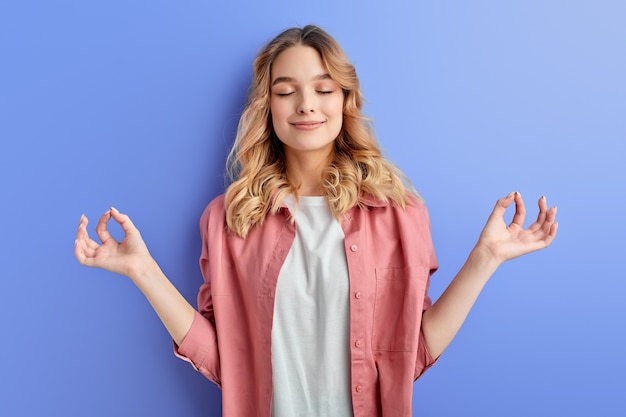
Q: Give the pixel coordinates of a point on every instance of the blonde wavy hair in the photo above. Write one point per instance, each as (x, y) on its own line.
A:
(256, 163)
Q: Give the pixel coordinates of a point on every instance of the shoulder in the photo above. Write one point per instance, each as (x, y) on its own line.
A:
(415, 206)
(410, 218)
(216, 204)
(418, 206)
(214, 211)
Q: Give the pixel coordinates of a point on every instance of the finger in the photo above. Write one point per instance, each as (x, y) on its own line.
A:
(550, 220)
(520, 211)
(82, 236)
(502, 204)
(101, 227)
(82, 227)
(543, 209)
(551, 216)
(553, 229)
(124, 221)
(83, 253)
(545, 218)
(541, 216)
(550, 233)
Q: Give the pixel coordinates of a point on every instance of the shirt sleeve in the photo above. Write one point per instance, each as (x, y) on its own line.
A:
(424, 359)
(200, 347)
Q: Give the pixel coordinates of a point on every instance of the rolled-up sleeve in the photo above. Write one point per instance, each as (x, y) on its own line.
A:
(200, 345)
(199, 348)
(424, 359)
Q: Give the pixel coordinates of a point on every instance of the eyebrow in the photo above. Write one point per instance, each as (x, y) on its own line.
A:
(279, 80)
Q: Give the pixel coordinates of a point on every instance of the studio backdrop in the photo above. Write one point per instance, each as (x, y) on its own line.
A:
(135, 104)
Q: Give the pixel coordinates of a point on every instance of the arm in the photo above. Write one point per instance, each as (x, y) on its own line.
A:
(131, 258)
(497, 243)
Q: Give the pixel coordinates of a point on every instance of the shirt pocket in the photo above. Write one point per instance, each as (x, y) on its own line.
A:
(398, 308)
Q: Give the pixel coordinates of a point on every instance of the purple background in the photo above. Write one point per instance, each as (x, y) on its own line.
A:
(134, 104)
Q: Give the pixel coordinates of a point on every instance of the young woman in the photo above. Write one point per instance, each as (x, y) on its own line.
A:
(317, 259)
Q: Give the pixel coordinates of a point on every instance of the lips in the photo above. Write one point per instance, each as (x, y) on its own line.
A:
(310, 125)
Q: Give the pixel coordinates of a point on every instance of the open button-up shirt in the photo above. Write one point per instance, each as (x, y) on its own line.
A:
(390, 258)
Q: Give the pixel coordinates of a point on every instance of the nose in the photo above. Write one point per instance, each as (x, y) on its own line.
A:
(306, 103)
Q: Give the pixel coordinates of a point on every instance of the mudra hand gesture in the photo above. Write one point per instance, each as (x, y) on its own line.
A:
(507, 242)
(125, 257)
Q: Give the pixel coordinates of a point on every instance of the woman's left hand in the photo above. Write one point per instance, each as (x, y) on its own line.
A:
(507, 242)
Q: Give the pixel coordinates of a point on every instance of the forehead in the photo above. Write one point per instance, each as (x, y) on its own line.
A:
(299, 62)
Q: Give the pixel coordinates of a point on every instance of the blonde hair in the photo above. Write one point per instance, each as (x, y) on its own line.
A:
(256, 163)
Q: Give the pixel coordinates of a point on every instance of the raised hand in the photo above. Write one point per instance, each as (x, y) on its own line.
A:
(498, 242)
(508, 242)
(127, 257)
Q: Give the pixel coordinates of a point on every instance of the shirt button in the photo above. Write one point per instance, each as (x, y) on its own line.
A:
(358, 343)
(358, 388)
(358, 294)
(354, 248)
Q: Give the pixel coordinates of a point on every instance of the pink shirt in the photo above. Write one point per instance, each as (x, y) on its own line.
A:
(390, 259)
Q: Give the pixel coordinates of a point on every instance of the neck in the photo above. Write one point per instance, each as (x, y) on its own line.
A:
(305, 172)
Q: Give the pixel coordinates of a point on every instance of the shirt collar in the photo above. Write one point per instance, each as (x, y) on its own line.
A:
(365, 199)
(371, 201)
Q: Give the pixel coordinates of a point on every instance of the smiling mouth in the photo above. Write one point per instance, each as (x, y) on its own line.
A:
(307, 125)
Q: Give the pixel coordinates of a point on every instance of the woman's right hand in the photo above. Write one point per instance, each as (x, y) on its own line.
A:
(128, 257)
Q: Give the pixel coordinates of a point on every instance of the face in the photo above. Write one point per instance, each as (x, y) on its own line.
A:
(306, 104)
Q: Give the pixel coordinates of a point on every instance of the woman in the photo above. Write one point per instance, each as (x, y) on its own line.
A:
(317, 259)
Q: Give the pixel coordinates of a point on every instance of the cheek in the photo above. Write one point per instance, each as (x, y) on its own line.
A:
(337, 112)
(278, 111)
(275, 114)
(337, 108)
(278, 119)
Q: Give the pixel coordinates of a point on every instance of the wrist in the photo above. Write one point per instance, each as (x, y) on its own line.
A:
(141, 271)
(483, 256)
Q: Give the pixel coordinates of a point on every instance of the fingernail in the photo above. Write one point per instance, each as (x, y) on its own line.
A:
(114, 209)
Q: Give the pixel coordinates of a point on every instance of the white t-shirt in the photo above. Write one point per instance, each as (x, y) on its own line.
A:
(310, 331)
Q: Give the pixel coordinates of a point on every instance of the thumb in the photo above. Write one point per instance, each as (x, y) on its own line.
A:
(124, 221)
